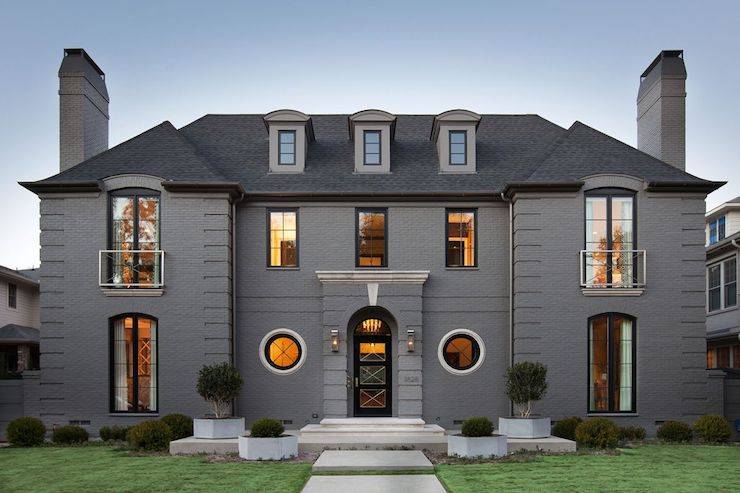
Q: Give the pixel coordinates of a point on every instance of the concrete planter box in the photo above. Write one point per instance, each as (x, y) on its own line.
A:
(280, 448)
(218, 428)
(493, 446)
(524, 427)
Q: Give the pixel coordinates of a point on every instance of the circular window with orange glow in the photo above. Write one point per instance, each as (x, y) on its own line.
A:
(282, 351)
(461, 351)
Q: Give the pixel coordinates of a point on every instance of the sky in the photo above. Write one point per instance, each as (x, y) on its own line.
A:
(178, 60)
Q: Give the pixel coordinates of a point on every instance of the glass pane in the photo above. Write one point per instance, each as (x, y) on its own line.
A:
(371, 238)
(460, 238)
(714, 276)
(598, 365)
(457, 138)
(372, 398)
(284, 352)
(721, 228)
(287, 137)
(123, 367)
(457, 149)
(457, 158)
(730, 294)
(286, 148)
(622, 341)
(715, 298)
(723, 357)
(596, 208)
(622, 223)
(372, 351)
(730, 271)
(283, 239)
(123, 208)
(372, 137)
(461, 352)
(372, 375)
(372, 158)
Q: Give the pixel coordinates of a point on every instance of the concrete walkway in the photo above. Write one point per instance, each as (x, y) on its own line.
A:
(399, 483)
(372, 461)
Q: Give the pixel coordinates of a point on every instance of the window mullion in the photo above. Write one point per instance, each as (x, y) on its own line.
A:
(135, 357)
(135, 271)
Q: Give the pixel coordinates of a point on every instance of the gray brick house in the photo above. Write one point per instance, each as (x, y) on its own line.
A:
(372, 264)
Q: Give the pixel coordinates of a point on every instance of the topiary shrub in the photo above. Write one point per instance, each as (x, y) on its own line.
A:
(266, 428)
(477, 427)
(566, 428)
(526, 382)
(180, 425)
(69, 435)
(219, 384)
(150, 435)
(631, 433)
(674, 431)
(110, 433)
(597, 433)
(25, 432)
(712, 429)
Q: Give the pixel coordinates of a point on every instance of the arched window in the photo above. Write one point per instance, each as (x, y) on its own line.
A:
(133, 364)
(611, 369)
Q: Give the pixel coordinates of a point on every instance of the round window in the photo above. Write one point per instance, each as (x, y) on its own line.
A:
(461, 351)
(282, 351)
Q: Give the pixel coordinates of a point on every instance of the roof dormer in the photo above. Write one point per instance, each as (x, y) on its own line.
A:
(289, 132)
(453, 132)
(372, 132)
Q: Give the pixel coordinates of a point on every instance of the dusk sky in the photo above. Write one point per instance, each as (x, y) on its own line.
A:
(178, 60)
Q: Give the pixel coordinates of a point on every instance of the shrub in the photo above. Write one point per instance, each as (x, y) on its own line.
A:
(69, 435)
(597, 433)
(675, 431)
(477, 427)
(566, 428)
(180, 425)
(631, 433)
(150, 435)
(712, 429)
(526, 382)
(219, 384)
(108, 433)
(25, 432)
(267, 428)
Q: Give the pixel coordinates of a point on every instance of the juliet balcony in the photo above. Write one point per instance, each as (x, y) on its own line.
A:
(613, 272)
(131, 272)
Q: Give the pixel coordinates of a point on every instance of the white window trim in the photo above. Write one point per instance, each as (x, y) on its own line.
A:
(454, 332)
(722, 264)
(267, 364)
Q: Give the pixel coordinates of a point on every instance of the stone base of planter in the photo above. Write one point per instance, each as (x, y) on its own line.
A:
(218, 428)
(493, 446)
(280, 448)
(524, 427)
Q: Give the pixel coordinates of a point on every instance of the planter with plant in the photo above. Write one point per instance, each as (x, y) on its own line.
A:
(267, 441)
(477, 440)
(219, 385)
(526, 383)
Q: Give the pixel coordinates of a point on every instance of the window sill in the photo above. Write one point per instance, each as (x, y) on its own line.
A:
(134, 415)
(613, 415)
(723, 310)
(132, 293)
(612, 291)
(462, 268)
(282, 268)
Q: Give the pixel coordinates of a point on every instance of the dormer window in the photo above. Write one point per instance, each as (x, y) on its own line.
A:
(289, 133)
(372, 132)
(287, 147)
(372, 147)
(453, 132)
(458, 145)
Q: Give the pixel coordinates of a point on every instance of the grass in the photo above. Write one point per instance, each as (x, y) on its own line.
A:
(104, 468)
(674, 468)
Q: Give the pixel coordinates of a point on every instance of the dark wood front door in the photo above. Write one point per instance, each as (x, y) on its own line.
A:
(372, 380)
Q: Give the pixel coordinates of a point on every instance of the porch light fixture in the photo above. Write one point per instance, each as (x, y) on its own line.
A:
(335, 340)
(410, 343)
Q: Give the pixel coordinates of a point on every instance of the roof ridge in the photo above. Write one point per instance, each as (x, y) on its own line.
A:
(557, 142)
(196, 152)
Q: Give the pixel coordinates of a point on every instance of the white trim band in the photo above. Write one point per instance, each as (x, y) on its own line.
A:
(380, 277)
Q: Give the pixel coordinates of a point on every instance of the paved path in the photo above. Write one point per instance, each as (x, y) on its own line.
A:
(372, 461)
(414, 483)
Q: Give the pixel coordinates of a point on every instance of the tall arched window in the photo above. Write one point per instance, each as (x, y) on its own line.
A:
(133, 364)
(612, 366)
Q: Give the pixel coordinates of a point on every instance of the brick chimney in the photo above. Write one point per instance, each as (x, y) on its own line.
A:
(83, 109)
(661, 109)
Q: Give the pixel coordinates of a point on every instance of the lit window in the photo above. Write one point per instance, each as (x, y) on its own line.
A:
(371, 147)
(610, 259)
(461, 351)
(717, 230)
(722, 285)
(282, 351)
(283, 233)
(134, 239)
(371, 238)
(286, 140)
(458, 147)
(723, 357)
(461, 238)
(134, 347)
(12, 295)
(611, 370)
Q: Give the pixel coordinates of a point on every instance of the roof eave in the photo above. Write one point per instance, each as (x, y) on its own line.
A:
(539, 187)
(685, 186)
(233, 188)
(39, 187)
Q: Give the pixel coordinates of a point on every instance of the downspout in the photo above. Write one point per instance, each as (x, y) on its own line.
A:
(511, 288)
(233, 290)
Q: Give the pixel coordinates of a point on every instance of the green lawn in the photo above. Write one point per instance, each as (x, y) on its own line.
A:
(654, 468)
(102, 468)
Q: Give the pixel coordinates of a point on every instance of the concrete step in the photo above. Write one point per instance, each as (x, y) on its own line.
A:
(374, 422)
(372, 430)
(398, 483)
(372, 461)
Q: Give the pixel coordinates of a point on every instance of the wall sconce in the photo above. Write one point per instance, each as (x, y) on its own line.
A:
(334, 340)
(410, 343)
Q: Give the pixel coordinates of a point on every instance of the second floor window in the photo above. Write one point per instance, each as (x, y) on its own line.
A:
(134, 240)
(722, 285)
(372, 238)
(461, 238)
(458, 147)
(371, 145)
(717, 230)
(12, 295)
(283, 238)
(286, 142)
(611, 259)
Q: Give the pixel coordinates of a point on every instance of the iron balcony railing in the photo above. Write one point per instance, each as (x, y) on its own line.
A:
(613, 268)
(131, 268)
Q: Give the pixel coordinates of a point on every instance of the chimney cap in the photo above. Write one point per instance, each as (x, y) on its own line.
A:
(668, 64)
(78, 62)
(82, 53)
(661, 56)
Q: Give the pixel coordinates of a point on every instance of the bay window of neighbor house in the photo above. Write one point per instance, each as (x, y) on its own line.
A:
(722, 285)
(610, 260)
(461, 239)
(134, 364)
(372, 238)
(134, 240)
(611, 370)
(283, 238)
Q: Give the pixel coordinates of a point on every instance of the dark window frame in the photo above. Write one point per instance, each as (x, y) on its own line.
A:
(269, 211)
(112, 362)
(374, 210)
(279, 148)
(285, 335)
(611, 363)
(474, 344)
(12, 295)
(475, 237)
(364, 147)
(465, 146)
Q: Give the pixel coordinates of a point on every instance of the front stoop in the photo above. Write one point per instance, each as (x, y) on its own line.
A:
(398, 483)
(372, 461)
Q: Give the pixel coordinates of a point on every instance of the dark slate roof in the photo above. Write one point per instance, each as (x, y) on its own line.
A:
(18, 333)
(29, 276)
(32, 274)
(509, 148)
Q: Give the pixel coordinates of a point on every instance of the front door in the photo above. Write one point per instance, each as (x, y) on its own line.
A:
(372, 380)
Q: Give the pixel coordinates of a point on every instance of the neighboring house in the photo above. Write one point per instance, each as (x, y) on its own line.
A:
(372, 264)
(723, 221)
